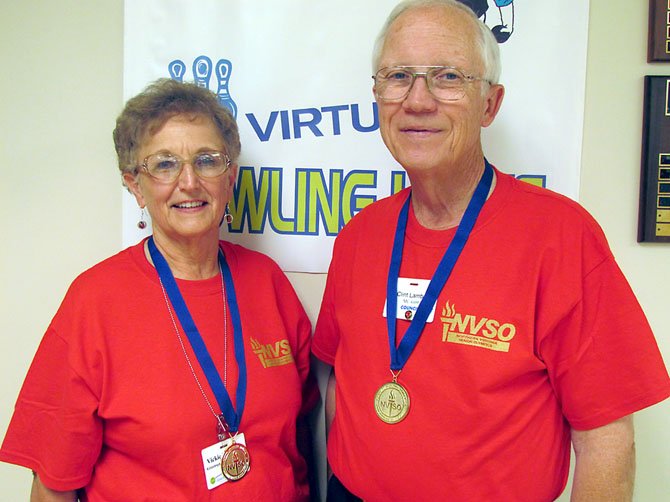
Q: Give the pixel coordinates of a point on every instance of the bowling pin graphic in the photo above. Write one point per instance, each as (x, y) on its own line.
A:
(202, 70)
(177, 68)
(223, 70)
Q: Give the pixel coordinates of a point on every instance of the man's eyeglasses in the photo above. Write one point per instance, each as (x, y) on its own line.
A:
(167, 167)
(445, 83)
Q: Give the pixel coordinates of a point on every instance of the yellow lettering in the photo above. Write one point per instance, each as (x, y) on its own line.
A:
(533, 179)
(301, 206)
(250, 200)
(491, 328)
(506, 332)
(327, 201)
(397, 181)
(352, 203)
(280, 224)
(445, 327)
(460, 323)
(474, 328)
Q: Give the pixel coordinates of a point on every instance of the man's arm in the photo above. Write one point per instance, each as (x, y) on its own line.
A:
(40, 493)
(605, 462)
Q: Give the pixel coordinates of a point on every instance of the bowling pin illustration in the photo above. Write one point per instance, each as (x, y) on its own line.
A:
(202, 70)
(223, 70)
(177, 68)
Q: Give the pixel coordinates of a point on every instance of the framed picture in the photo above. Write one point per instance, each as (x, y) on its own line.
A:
(654, 214)
(658, 47)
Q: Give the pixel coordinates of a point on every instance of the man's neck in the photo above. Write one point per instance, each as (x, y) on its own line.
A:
(440, 199)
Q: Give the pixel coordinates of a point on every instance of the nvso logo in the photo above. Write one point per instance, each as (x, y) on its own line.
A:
(468, 329)
(273, 354)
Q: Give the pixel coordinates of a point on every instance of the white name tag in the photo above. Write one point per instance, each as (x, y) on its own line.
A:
(211, 461)
(410, 293)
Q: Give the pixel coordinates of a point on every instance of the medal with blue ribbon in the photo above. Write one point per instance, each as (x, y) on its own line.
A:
(230, 417)
(392, 399)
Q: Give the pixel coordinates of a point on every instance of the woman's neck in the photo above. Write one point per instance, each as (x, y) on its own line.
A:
(190, 260)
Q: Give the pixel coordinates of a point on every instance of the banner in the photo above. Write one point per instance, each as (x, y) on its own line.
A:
(297, 76)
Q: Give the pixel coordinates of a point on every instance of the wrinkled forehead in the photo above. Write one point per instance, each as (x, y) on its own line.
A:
(435, 35)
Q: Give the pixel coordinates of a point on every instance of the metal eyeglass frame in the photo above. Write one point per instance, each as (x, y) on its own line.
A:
(182, 161)
(427, 70)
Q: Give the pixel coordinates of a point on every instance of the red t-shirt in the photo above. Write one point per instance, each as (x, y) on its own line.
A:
(535, 332)
(111, 405)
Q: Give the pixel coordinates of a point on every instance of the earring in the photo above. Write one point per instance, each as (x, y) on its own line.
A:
(142, 224)
(227, 217)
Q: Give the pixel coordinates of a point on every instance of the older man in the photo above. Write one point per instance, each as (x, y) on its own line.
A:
(477, 325)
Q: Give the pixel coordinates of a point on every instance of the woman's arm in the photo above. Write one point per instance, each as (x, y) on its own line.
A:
(40, 493)
(330, 400)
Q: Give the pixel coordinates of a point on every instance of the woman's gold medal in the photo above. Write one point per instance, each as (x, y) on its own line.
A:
(235, 462)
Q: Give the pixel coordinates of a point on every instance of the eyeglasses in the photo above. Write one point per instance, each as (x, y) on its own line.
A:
(445, 83)
(167, 167)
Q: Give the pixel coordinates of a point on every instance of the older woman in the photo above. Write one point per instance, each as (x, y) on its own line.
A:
(177, 369)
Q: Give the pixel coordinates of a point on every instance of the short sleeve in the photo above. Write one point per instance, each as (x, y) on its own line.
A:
(326, 335)
(54, 430)
(602, 357)
(297, 323)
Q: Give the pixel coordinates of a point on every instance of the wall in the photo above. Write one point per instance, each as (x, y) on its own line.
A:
(60, 204)
(617, 55)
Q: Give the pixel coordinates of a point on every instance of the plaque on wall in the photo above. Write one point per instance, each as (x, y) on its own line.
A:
(654, 215)
(658, 47)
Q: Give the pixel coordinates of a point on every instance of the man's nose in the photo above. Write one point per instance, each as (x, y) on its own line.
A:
(419, 97)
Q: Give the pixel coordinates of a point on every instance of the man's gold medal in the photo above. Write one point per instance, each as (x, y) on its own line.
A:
(391, 403)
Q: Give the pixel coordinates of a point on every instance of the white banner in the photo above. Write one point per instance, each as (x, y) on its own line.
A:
(297, 74)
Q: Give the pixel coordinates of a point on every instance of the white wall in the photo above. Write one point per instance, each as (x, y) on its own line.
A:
(61, 89)
(617, 56)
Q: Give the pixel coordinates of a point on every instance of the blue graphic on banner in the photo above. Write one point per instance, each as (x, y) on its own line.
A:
(292, 122)
(501, 29)
(202, 73)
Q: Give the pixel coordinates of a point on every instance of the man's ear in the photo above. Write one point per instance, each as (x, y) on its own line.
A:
(493, 101)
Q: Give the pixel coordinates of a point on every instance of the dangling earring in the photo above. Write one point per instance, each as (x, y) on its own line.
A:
(142, 224)
(227, 217)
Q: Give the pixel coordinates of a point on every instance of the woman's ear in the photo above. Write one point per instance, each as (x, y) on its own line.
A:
(232, 175)
(131, 181)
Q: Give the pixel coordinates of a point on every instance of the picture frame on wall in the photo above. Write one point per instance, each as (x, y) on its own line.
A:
(658, 47)
(654, 212)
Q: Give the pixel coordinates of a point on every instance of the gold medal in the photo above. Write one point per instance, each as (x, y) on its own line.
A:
(392, 402)
(235, 462)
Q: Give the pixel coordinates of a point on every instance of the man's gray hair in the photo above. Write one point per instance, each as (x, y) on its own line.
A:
(486, 43)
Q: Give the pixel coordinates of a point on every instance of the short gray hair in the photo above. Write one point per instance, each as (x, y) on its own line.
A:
(161, 100)
(486, 42)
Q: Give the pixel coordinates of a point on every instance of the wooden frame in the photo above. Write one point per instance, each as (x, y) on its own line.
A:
(654, 214)
(658, 46)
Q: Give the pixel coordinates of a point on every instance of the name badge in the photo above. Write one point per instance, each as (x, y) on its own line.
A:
(211, 461)
(410, 293)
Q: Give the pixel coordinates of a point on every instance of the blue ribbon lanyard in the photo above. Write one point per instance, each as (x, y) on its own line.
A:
(400, 355)
(231, 416)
